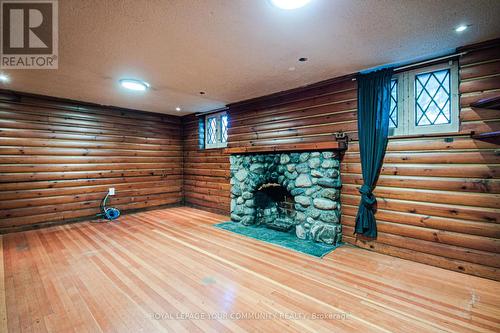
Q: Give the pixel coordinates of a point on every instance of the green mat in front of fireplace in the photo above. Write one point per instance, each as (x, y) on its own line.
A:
(284, 239)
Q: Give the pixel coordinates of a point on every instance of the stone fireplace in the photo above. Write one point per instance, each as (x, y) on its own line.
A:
(288, 191)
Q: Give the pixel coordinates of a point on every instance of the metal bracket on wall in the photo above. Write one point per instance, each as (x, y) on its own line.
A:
(341, 136)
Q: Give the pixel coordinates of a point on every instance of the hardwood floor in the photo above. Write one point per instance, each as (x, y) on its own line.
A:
(162, 270)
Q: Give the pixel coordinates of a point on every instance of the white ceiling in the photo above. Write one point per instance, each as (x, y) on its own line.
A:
(239, 49)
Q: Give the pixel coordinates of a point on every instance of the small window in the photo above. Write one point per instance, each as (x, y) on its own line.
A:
(432, 98)
(425, 101)
(216, 126)
(393, 113)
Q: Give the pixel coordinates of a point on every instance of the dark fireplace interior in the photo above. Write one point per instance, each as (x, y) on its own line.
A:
(274, 207)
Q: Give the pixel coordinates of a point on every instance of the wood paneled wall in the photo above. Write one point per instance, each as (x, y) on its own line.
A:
(206, 171)
(438, 196)
(58, 159)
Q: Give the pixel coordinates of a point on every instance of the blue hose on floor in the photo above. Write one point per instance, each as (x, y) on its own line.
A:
(110, 213)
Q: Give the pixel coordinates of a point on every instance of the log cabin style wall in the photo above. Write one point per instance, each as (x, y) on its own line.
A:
(58, 159)
(438, 196)
(206, 171)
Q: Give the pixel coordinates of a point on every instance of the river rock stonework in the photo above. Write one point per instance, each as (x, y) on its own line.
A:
(311, 178)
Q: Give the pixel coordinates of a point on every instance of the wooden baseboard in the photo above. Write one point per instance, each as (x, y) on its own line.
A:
(35, 226)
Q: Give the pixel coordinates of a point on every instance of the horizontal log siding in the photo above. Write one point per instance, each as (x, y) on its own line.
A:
(58, 159)
(206, 172)
(438, 196)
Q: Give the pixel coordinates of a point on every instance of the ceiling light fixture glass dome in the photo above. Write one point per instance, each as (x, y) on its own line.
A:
(4, 78)
(289, 4)
(133, 84)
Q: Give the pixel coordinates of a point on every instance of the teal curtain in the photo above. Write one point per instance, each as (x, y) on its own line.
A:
(374, 100)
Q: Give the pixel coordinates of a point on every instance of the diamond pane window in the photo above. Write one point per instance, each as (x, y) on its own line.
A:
(211, 130)
(216, 130)
(224, 128)
(425, 101)
(393, 113)
(433, 98)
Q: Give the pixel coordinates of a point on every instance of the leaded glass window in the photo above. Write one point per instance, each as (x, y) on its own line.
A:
(224, 128)
(425, 101)
(211, 130)
(393, 114)
(432, 98)
(216, 130)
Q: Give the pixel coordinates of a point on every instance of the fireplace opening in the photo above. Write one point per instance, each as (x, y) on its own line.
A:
(274, 207)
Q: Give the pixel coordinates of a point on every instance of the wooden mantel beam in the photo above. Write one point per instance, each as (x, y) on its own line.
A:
(334, 145)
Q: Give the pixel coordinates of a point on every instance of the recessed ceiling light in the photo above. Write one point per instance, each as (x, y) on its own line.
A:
(461, 28)
(4, 78)
(133, 84)
(290, 4)
(177, 108)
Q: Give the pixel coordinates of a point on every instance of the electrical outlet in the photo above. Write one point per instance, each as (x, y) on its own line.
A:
(111, 191)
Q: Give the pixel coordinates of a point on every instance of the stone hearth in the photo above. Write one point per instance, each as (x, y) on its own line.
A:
(310, 193)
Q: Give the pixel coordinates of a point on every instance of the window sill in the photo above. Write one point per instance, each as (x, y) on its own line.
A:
(213, 148)
(429, 135)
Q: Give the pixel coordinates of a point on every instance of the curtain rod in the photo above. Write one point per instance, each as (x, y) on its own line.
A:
(198, 114)
(397, 69)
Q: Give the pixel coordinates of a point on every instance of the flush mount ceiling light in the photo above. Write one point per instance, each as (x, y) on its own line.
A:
(4, 78)
(461, 28)
(178, 108)
(289, 4)
(133, 84)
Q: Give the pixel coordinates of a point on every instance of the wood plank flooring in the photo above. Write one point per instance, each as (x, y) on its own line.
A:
(170, 270)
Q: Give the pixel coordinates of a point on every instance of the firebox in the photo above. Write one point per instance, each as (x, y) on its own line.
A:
(274, 207)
